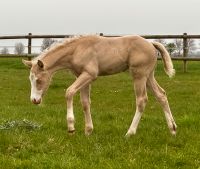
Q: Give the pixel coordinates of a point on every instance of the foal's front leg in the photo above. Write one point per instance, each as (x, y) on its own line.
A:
(83, 80)
(85, 101)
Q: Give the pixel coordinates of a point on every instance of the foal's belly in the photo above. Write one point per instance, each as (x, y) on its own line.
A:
(112, 67)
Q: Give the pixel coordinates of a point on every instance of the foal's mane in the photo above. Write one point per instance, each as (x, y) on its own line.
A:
(57, 45)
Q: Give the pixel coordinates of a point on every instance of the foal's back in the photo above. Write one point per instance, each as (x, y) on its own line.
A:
(114, 55)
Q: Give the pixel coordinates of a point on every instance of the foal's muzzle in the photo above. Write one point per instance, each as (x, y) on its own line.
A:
(36, 101)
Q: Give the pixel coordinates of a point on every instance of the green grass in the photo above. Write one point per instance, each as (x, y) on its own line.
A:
(113, 105)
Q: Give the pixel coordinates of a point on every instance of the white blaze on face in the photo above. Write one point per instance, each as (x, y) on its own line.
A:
(35, 93)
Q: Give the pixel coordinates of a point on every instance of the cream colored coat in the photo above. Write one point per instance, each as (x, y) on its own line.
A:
(91, 56)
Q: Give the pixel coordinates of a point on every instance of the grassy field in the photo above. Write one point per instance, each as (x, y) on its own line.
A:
(112, 110)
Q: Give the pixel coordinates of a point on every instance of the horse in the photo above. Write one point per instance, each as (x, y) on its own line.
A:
(88, 57)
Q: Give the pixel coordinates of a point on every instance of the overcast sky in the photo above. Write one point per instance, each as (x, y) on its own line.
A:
(94, 16)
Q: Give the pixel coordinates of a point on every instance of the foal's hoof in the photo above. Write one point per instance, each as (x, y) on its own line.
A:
(71, 132)
(130, 133)
(88, 131)
(173, 129)
(127, 135)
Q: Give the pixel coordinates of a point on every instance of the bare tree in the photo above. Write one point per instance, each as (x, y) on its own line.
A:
(46, 43)
(19, 48)
(179, 46)
(4, 50)
(162, 41)
(171, 47)
(191, 46)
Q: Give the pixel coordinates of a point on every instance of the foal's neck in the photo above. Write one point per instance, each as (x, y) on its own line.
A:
(59, 57)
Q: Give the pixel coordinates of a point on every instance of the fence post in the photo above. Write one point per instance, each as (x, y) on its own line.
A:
(29, 45)
(185, 51)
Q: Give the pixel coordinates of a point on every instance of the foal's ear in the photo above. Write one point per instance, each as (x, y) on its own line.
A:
(27, 63)
(40, 64)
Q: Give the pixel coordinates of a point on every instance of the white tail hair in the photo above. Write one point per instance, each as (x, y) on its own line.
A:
(168, 65)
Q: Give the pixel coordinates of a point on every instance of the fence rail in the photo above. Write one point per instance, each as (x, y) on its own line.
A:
(184, 36)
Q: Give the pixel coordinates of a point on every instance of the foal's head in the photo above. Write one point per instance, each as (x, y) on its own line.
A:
(39, 78)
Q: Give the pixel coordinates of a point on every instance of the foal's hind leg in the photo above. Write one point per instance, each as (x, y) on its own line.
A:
(141, 100)
(162, 98)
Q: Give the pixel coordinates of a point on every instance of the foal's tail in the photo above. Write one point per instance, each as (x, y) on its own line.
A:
(168, 65)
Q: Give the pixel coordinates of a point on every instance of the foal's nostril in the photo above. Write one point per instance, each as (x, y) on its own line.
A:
(36, 101)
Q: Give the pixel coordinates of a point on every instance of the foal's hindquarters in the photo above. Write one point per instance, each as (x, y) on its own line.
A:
(142, 65)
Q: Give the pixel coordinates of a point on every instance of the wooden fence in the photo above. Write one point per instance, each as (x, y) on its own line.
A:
(184, 37)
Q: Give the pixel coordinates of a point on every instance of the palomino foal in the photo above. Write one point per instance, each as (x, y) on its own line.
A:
(91, 56)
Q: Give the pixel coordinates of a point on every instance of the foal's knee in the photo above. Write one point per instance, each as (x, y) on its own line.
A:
(69, 93)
